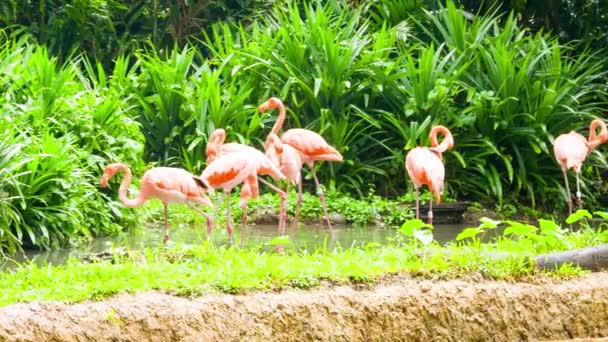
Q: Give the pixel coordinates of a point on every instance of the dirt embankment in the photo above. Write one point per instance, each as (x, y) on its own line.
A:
(398, 309)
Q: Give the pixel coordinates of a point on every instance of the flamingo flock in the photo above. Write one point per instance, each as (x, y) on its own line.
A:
(233, 164)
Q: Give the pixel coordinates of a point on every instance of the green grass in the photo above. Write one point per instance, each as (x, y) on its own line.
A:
(202, 269)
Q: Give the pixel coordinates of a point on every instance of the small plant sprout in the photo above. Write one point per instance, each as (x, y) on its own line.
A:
(415, 228)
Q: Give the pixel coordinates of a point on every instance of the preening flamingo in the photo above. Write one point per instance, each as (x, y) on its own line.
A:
(168, 184)
(424, 166)
(216, 148)
(571, 150)
(233, 169)
(310, 145)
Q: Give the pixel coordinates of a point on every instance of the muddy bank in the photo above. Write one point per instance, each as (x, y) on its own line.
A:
(398, 308)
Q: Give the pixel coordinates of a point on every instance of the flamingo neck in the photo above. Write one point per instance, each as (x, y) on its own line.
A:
(447, 142)
(122, 191)
(596, 139)
(280, 120)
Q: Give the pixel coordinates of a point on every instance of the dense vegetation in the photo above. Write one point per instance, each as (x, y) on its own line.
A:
(92, 82)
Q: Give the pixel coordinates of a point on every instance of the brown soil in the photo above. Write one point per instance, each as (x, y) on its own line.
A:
(397, 309)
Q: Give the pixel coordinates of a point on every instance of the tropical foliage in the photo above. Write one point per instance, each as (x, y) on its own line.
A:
(147, 81)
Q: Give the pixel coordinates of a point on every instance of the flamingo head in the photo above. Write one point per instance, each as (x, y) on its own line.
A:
(109, 172)
(271, 103)
(216, 139)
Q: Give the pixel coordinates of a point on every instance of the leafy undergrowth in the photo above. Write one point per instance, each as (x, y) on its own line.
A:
(195, 270)
(370, 209)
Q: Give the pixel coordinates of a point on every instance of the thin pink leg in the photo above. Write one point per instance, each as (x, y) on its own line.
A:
(166, 237)
(321, 196)
(417, 203)
(579, 199)
(193, 207)
(282, 210)
(431, 209)
(243, 221)
(568, 197)
(211, 219)
(228, 220)
(298, 203)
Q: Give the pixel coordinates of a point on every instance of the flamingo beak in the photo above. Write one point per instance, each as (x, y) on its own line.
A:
(263, 107)
(103, 182)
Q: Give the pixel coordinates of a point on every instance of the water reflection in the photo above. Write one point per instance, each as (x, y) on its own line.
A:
(305, 237)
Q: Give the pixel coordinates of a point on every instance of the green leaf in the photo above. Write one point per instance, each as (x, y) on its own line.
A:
(578, 215)
(468, 233)
(409, 227)
(602, 214)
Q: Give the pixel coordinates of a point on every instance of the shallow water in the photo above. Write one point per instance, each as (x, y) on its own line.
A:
(305, 237)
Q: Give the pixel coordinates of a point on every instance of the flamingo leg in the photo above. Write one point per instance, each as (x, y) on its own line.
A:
(417, 203)
(211, 219)
(321, 196)
(282, 210)
(579, 199)
(431, 210)
(569, 199)
(193, 207)
(228, 220)
(298, 203)
(243, 220)
(166, 237)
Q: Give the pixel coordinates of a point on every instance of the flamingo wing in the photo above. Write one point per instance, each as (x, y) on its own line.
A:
(570, 150)
(310, 145)
(229, 170)
(172, 185)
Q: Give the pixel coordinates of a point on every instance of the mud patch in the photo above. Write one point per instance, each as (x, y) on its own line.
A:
(398, 308)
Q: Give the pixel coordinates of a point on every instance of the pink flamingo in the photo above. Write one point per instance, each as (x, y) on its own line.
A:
(290, 163)
(169, 184)
(310, 145)
(216, 148)
(571, 150)
(233, 169)
(424, 166)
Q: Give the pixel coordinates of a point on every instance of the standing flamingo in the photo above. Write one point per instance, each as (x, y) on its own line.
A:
(233, 169)
(290, 163)
(424, 166)
(169, 184)
(216, 148)
(571, 150)
(310, 145)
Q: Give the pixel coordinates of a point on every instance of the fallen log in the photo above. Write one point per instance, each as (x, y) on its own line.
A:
(593, 258)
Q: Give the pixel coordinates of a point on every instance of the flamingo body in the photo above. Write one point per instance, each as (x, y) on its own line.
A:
(570, 150)
(168, 184)
(311, 146)
(425, 168)
(286, 157)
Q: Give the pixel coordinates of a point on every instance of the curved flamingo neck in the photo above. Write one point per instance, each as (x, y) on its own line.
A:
(281, 119)
(124, 186)
(596, 139)
(446, 143)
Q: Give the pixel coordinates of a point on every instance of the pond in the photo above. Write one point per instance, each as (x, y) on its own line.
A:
(305, 237)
